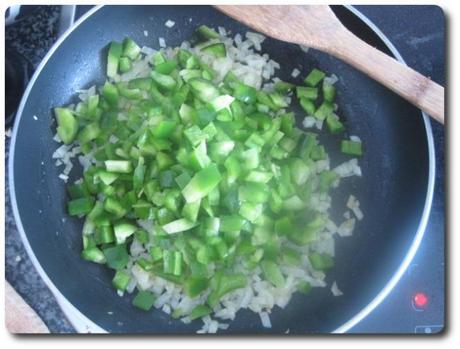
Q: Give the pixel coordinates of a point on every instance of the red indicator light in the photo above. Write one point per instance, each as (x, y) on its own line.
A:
(420, 300)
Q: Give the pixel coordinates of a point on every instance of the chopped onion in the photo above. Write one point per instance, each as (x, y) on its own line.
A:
(309, 122)
(170, 23)
(265, 318)
(295, 73)
(319, 124)
(304, 48)
(347, 227)
(256, 39)
(331, 79)
(348, 168)
(222, 31)
(148, 51)
(335, 290)
(355, 139)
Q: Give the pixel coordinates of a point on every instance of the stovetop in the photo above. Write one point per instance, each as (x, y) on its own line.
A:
(417, 302)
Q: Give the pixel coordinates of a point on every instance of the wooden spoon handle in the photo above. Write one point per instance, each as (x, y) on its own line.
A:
(406, 82)
(19, 316)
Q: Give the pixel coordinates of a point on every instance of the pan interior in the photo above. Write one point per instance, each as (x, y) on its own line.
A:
(392, 190)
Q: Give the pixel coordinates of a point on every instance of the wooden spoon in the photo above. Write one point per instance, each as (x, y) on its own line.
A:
(317, 26)
(20, 318)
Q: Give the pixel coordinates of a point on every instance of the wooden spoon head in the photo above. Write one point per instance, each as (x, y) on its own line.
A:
(309, 25)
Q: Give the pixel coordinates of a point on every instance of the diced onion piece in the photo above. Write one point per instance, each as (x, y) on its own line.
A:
(335, 290)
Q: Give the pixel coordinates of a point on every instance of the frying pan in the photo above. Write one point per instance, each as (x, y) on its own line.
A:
(395, 191)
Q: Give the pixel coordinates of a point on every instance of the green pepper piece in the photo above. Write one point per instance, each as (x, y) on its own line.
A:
(110, 93)
(299, 170)
(131, 49)
(314, 77)
(202, 184)
(272, 273)
(118, 166)
(203, 89)
(326, 178)
(67, 125)
(166, 67)
(307, 92)
(334, 124)
(283, 86)
(158, 58)
(351, 148)
(199, 158)
(80, 206)
(199, 311)
(328, 91)
(275, 202)
(233, 167)
(105, 235)
(224, 285)
(144, 300)
(165, 81)
(218, 50)
(250, 159)
(142, 236)
(253, 192)
(115, 51)
(195, 135)
(164, 129)
(193, 286)
(117, 257)
(89, 133)
(307, 234)
(164, 161)
(308, 106)
(318, 153)
(140, 83)
(156, 253)
(207, 33)
(324, 110)
(304, 287)
(93, 254)
(112, 205)
(77, 191)
(183, 56)
(291, 257)
(287, 123)
(124, 64)
(190, 210)
(121, 280)
(177, 268)
(258, 177)
(178, 225)
(278, 100)
(321, 261)
(182, 179)
(122, 231)
(245, 93)
(250, 211)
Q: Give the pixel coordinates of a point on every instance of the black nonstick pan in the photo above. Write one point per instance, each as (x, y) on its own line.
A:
(395, 191)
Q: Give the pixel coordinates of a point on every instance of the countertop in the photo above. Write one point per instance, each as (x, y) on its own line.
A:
(421, 43)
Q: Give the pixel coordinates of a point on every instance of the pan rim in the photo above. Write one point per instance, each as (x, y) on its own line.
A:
(83, 324)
